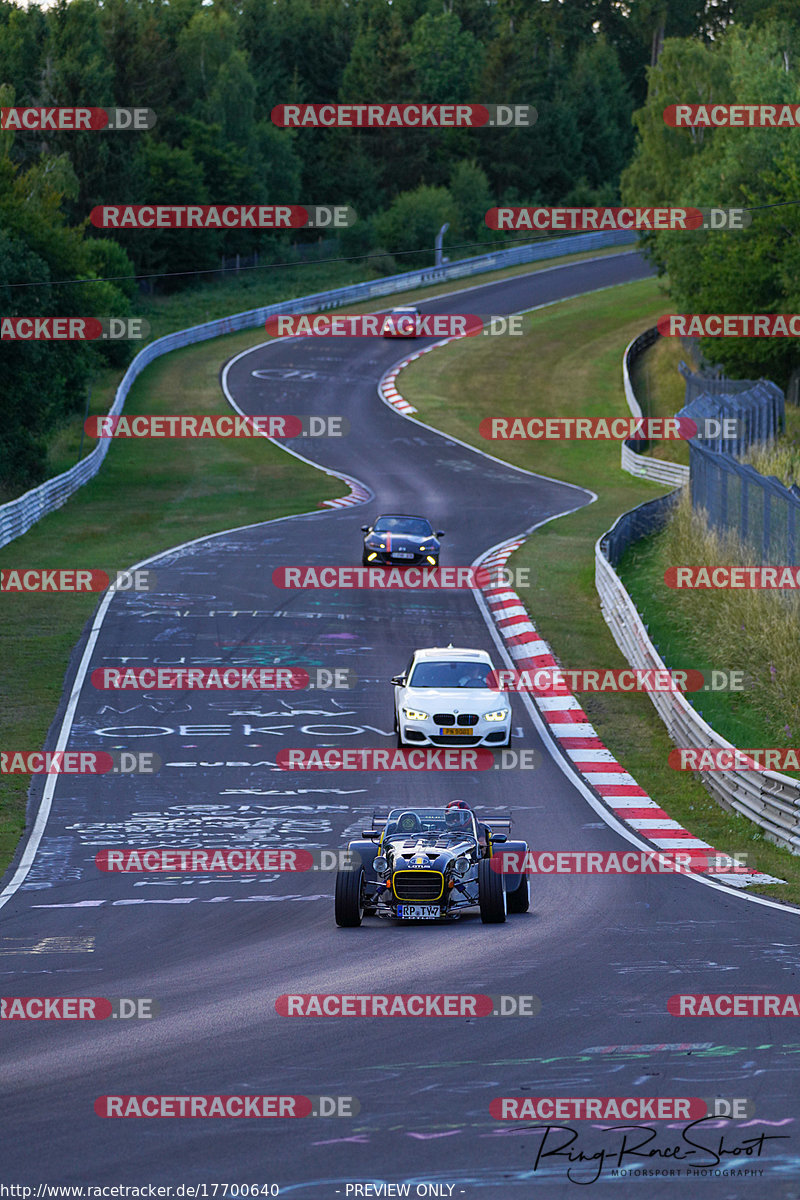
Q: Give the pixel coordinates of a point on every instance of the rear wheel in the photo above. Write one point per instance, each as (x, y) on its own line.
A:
(491, 894)
(349, 898)
(519, 900)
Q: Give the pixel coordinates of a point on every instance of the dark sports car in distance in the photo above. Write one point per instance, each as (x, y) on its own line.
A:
(401, 540)
(430, 864)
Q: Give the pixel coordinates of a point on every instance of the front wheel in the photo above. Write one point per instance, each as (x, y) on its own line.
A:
(491, 894)
(349, 898)
(519, 900)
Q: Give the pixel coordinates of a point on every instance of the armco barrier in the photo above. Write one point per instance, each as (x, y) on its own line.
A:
(769, 799)
(635, 463)
(17, 516)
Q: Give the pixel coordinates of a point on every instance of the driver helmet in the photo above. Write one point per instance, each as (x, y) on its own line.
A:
(457, 815)
(408, 822)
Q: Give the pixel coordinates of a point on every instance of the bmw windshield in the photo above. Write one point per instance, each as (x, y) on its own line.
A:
(427, 674)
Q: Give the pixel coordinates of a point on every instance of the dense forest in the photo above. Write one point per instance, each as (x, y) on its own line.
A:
(598, 71)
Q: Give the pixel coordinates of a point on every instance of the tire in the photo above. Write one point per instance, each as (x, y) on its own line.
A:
(348, 902)
(491, 894)
(398, 735)
(519, 901)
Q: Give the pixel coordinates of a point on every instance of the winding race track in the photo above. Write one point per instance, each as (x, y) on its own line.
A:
(215, 951)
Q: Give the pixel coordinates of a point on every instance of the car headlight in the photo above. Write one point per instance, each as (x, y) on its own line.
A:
(461, 865)
(381, 865)
(500, 714)
(413, 714)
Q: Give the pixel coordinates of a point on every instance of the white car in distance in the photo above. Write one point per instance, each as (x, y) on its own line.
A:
(444, 698)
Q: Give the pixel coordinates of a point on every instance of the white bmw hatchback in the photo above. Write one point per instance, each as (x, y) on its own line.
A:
(444, 698)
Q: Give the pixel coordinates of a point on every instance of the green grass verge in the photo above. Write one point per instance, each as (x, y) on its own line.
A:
(568, 362)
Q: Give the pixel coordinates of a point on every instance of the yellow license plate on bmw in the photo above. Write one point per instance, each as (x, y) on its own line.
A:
(465, 729)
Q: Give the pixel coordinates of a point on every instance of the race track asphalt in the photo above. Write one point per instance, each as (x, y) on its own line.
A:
(602, 954)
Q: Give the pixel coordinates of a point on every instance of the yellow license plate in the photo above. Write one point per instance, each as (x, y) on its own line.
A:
(465, 730)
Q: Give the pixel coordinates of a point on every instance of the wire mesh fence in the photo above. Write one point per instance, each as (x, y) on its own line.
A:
(731, 422)
(759, 509)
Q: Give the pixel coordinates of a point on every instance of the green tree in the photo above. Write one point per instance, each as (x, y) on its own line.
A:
(413, 221)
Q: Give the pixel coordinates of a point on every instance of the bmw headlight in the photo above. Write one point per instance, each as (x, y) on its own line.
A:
(461, 865)
(500, 714)
(413, 714)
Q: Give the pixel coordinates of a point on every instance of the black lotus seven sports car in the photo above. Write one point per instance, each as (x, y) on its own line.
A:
(430, 864)
(407, 541)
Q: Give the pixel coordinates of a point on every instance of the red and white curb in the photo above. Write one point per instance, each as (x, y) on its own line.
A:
(387, 388)
(358, 494)
(570, 727)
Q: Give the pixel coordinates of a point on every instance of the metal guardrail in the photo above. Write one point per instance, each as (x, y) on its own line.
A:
(631, 459)
(17, 516)
(767, 798)
(654, 469)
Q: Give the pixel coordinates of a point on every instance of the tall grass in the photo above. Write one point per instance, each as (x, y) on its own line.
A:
(754, 631)
(780, 458)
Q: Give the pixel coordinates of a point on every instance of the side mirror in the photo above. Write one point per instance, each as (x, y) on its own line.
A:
(398, 680)
(440, 533)
(369, 833)
(499, 837)
(365, 528)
